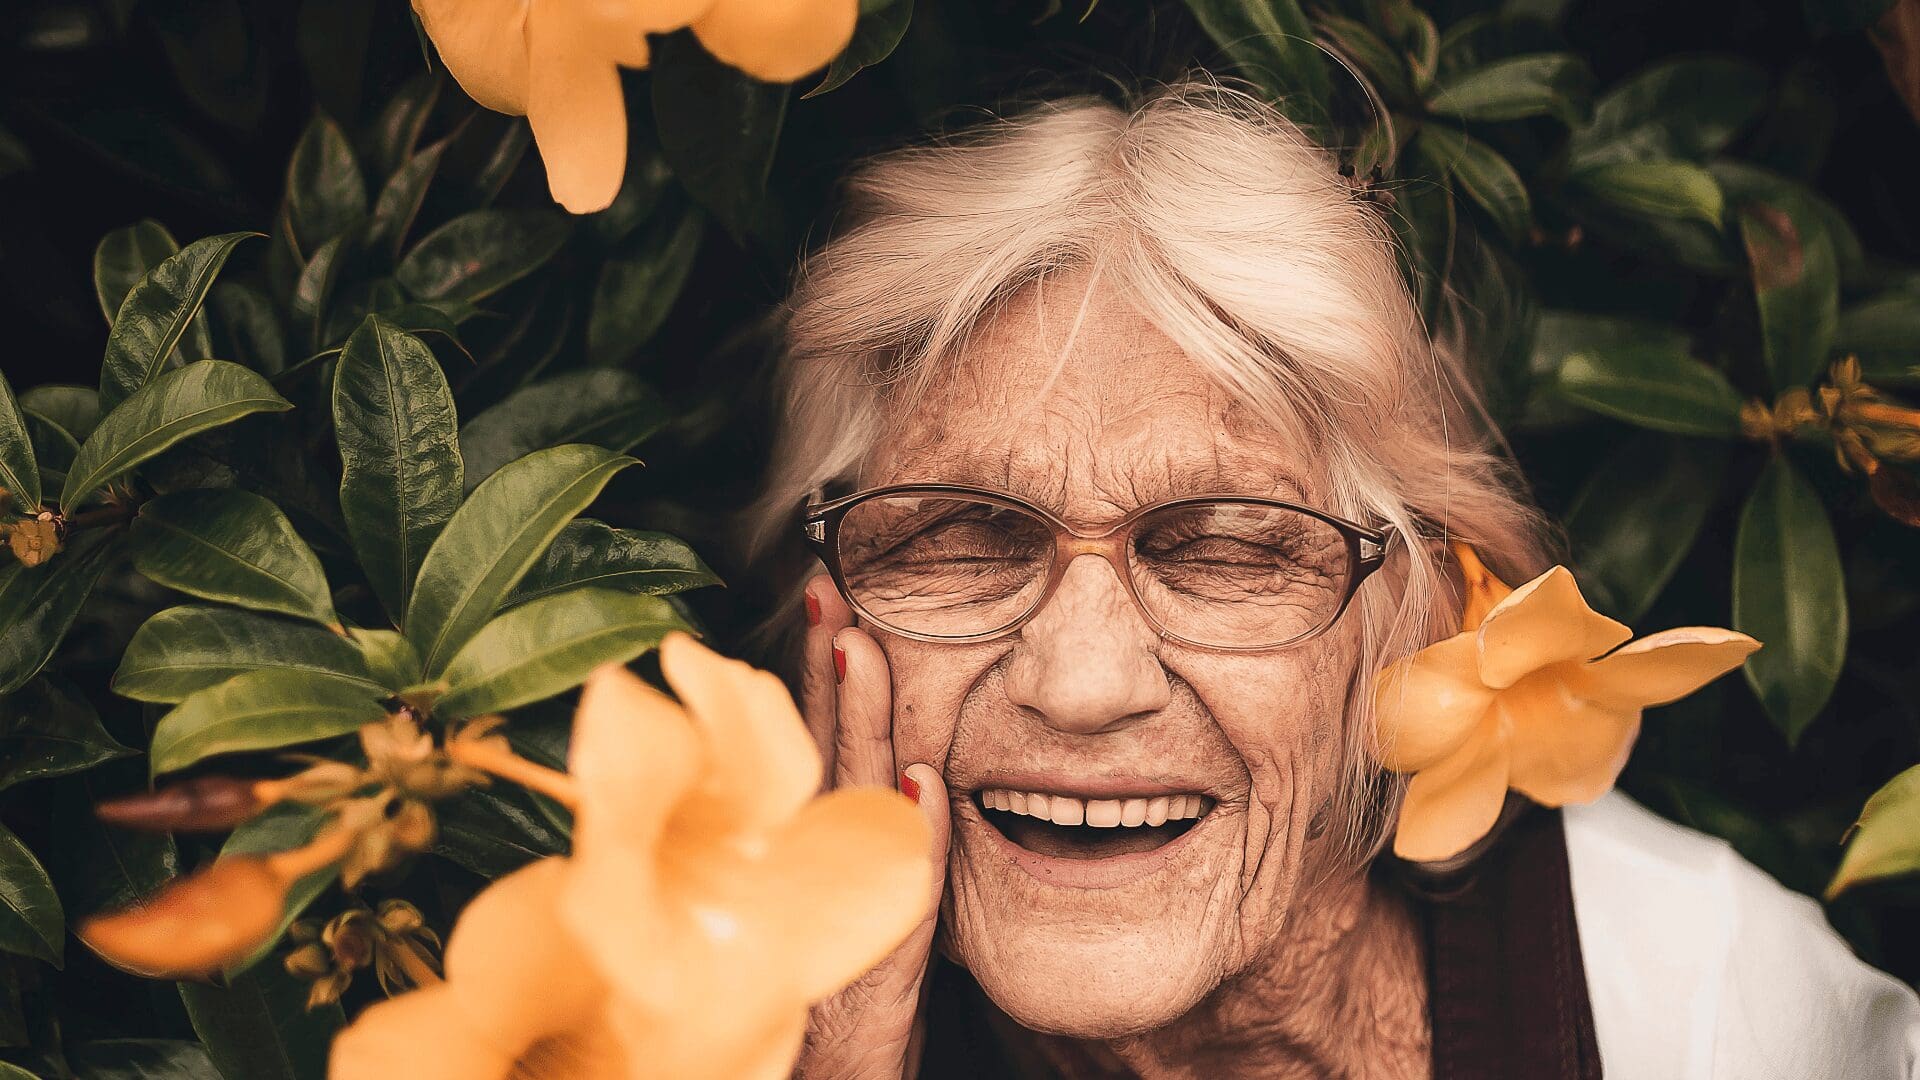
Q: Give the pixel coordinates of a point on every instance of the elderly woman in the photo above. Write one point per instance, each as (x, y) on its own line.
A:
(1132, 466)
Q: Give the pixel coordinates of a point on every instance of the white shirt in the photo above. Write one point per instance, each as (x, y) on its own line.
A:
(1701, 967)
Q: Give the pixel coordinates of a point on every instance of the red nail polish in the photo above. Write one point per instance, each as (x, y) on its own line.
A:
(910, 787)
(813, 610)
(839, 664)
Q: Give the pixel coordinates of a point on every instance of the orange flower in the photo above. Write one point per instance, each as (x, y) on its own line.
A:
(1542, 695)
(709, 899)
(558, 62)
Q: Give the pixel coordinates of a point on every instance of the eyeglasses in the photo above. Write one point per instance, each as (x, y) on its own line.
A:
(939, 562)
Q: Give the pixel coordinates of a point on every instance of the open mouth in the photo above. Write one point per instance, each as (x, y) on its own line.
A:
(1066, 827)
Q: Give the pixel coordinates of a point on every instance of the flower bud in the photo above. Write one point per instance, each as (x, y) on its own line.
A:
(204, 804)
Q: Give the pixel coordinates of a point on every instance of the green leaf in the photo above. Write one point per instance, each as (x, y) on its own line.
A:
(718, 129)
(97, 867)
(232, 546)
(260, 1028)
(53, 450)
(1538, 84)
(1796, 279)
(312, 300)
(47, 729)
(389, 657)
(1745, 183)
(153, 320)
(141, 1059)
(480, 253)
(606, 408)
(1789, 593)
(1655, 189)
(31, 922)
(1687, 110)
(1270, 43)
(19, 469)
(1663, 389)
(325, 192)
(593, 553)
(246, 327)
(393, 137)
(1886, 840)
(38, 604)
(638, 285)
(282, 827)
(494, 538)
(123, 257)
(1884, 332)
(184, 650)
(261, 710)
(176, 406)
(399, 202)
(874, 38)
(493, 833)
(401, 470)
(1483, 174)
(1378, 62)
(1638, 515)
(76, 409)
(540, 648)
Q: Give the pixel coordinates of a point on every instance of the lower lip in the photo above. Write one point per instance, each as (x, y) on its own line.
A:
(1108, 873)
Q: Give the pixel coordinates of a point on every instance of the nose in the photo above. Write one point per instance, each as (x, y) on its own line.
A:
(1087, 662)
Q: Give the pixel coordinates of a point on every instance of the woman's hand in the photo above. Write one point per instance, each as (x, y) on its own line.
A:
(871, 1030)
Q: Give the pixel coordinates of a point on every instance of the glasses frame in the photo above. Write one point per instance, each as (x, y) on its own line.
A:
(1367, 550)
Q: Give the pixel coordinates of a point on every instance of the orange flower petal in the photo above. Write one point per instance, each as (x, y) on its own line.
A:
(712, 1043)
(519, 974)
(576, 107)
(1483, 590)
(484, 45)
(762, 764)
(421, 1035)
(1565, 749)
(1453, 804)
(1665, 666)
(195, 925)
(659, 16)
(777, 40)
(1544, 622)
(1426, 705)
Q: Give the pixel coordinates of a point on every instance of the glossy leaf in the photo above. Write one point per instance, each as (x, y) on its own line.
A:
(607, 408)
(1538, 84)
(495, 832)
(389, 657)
(874, 38)
(1270, 43)
(1486, 177)
(178, 405)
(1796, 278)
(401, 469)
(1789, 592)
(141, 1059)
(282, 827)
(31, 922)
(76, 409)
(494, 538)
(53, 450)
(97, 867)
(47, 729)
(1747, 184)
(123, 257)
(1655, 189)
(326, 194)
(154, 320)
(1885, 842)
(1684, 110)
(1378, 61)
(478, 254)
(1883, 331)
(19, 469)
(38, 604)
(259, 1026)
(593, 553)
(186, 649)
(1638, 515)
(232, 546)
(400, 199)
(1662, 389)
(397, 132)
(638, 285)
(718, 129)
(261, 710)
(540, 648)
(313, 291)
(246, 327)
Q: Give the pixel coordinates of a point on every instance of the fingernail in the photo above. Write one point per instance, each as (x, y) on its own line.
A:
(910, 787)
(813, 610)
(839, 664)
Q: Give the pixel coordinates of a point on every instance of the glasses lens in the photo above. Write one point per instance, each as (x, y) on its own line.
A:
(1239, 575)
(943, 566)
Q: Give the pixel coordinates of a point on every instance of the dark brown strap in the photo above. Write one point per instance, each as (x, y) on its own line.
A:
(1507, 990)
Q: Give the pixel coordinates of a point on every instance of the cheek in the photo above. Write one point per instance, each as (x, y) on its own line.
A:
(929, 684)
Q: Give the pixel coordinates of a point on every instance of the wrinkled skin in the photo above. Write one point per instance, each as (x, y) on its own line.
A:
(1253, 949)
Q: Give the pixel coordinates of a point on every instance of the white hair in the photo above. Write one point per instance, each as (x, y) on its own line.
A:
(1237, 236)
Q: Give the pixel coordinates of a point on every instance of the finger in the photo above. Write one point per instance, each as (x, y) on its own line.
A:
(922, 784)
(863, 723)
(827, 614)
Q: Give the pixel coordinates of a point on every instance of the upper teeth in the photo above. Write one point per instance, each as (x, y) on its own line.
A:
(1100, 813)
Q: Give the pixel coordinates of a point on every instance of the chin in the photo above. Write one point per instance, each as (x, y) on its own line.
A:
(1103, 989)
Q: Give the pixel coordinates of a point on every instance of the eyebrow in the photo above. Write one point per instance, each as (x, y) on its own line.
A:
(1177, 480)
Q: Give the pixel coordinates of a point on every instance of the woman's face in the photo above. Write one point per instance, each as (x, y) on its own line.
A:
(1105, 931)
